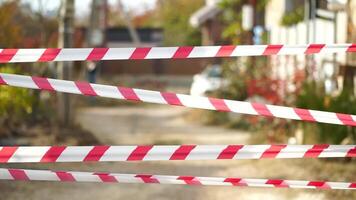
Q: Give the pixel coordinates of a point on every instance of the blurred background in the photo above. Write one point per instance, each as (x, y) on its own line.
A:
(322, 82)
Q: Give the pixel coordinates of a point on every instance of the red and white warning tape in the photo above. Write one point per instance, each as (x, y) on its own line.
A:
(70, 176)
(45, 154)
(95, 54)
(149, 96)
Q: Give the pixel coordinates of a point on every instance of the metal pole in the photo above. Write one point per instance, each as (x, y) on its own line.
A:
(65, 40)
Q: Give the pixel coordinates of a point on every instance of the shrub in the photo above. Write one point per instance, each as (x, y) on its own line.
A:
(313, 97)
(15, 103)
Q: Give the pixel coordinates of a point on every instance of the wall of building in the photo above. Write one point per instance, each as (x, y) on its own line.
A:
(284, 67)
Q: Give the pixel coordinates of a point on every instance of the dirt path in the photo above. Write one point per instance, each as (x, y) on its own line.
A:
(165, 125)
(152, 125)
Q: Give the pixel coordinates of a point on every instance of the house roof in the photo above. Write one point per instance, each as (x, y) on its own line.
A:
(203, 14)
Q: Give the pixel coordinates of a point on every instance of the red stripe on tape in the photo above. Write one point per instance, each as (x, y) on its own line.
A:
(219, 104)
(140, 53)
(147, 178)
(6, 153)
(315, 151)
(96, 153)
(190, 180)
(182, 52)
(352, 185)
(107, 178)
(273, 151)
(319, 184)
(97, 54)
(65, 176)
(42, 83)
(49, 55)
(262, 109)
(351, 152)
(314, 48)
(140, 152)
(304, 114)
(225, 51)
(85, 88)
(236, 181)
(229, 152)
(7, 54)
(52, 154)
(346, 119)
(171, 98)
(272, 49)
(2, 82)
(18, 174)
(277, 183)
(182, 152)
(352, 48)
(128, 93)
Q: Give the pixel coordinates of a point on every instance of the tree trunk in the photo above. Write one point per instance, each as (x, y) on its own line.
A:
(65, 40)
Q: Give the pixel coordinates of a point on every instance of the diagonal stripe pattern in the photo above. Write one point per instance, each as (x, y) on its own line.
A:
(184, 52)
(51, 154)
(149, 96)
(71, 176)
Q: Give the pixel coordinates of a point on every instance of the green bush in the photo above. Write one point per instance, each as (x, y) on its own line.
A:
(293, 17)
(313, 97)
(15, 103)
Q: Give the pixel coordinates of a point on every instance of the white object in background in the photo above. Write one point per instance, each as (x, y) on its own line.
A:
(207, 81)
(247, 17)
(337, 5)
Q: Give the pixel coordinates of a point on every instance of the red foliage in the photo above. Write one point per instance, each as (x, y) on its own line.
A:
(298, 79)
(266, 88)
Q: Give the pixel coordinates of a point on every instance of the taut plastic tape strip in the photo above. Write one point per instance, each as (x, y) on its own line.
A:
(45, 154)
(100, 177)
(84, 88)
(184, 52)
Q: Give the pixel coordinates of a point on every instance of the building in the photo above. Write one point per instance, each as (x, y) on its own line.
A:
(120, 37)
(293, 23)
(206, 18)
(321, 25)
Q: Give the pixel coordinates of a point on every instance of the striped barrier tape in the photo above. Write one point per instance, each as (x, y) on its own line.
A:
(45, 154)
(95, 54)
(149, 96)
(70, 176)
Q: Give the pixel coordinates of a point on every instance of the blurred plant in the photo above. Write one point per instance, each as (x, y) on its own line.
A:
(10, 34)
(15, 103)
(240, 73)
(22, 27)
(236, 78)
(313, 97)
(246, 83)
(265, 87)
(232, 19)
(175, 16)
(293, 17)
